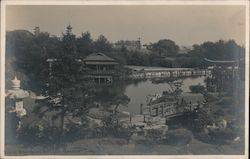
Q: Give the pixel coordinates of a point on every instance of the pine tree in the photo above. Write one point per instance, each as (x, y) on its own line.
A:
(102, 44)
(85, 44)
(67, 91)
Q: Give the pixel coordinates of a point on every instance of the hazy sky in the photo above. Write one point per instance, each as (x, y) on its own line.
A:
(186, 25)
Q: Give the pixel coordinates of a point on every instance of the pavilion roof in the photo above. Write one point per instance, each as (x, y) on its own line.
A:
(100, 62)
(98, 57)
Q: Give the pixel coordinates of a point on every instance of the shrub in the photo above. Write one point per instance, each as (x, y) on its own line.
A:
(178, 137)
(225, 102)
(73, 132)
(197, 88)
(38, 134)
(123, 132)
(199, 120)
(154, 134)
(221, 136)
(209, 97)
(203, 136)
(29, 135)
(112, 126)
(217, 136)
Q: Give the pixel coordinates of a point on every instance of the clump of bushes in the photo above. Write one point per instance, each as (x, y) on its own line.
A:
(123, 132)
(178, 137)
(197, 88)
(209, 97)
(38, 134)
(199, 120)
(112, 127)
(217, 136)
(76, 131)
(221, 136)
(226, 102)
(203, 136)
(155, 134)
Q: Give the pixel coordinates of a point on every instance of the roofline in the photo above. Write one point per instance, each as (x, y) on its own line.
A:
(110, 58)
(222, 61)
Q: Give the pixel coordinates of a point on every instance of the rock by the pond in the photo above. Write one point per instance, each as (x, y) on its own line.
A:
(137, 119)
(212, 127)
(237, 139)
(94, 122)
(158, 121)
(162, 129)
(222, 124)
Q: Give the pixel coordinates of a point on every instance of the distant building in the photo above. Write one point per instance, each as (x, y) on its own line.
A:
(128, 45)
(102, 69)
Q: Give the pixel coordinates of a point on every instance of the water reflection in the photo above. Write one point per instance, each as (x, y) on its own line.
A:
(138, 92)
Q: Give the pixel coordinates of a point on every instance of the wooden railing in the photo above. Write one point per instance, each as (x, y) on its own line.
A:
(102, 72)
(168, 109)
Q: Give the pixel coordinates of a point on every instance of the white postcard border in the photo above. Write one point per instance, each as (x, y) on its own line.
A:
(4, 3)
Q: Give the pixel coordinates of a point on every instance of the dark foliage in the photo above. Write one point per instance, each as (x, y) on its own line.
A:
(197, 88)
(178, 137)
(38, 134)
(218, 136)
(164, 47)
(27, 53)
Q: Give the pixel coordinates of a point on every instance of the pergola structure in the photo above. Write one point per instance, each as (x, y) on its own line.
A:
(225, 75)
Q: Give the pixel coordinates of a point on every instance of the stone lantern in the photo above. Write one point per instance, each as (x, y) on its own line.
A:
(16, 95)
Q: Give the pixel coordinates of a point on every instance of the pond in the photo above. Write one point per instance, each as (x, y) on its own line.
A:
(138, 92)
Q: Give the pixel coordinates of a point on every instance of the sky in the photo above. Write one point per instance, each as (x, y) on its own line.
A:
(186, 25)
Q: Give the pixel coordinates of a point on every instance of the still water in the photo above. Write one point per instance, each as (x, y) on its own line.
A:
(138, 92)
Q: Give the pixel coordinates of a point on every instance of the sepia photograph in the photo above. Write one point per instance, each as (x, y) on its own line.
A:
(126, 78)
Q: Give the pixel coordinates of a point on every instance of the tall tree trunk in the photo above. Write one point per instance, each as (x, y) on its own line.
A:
(61, 123)
(62, 120)
(61, 127)
(116, 107)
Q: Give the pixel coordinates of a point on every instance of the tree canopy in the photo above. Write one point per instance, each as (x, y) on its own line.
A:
(27, 52)
(66, 90)
(164, 47)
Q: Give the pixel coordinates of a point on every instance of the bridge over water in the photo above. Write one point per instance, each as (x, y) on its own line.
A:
(146, 72)
(187, 102)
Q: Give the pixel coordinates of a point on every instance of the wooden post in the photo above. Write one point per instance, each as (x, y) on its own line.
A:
(156, 111)
(141, 109)
(162, 111)
(50, 69)
(150, 111)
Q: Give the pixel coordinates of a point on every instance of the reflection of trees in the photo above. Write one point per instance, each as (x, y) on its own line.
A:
(112, 95)
(134, 82)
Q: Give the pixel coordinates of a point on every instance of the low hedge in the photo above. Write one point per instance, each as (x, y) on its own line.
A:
(178, 137)
(219, 136)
